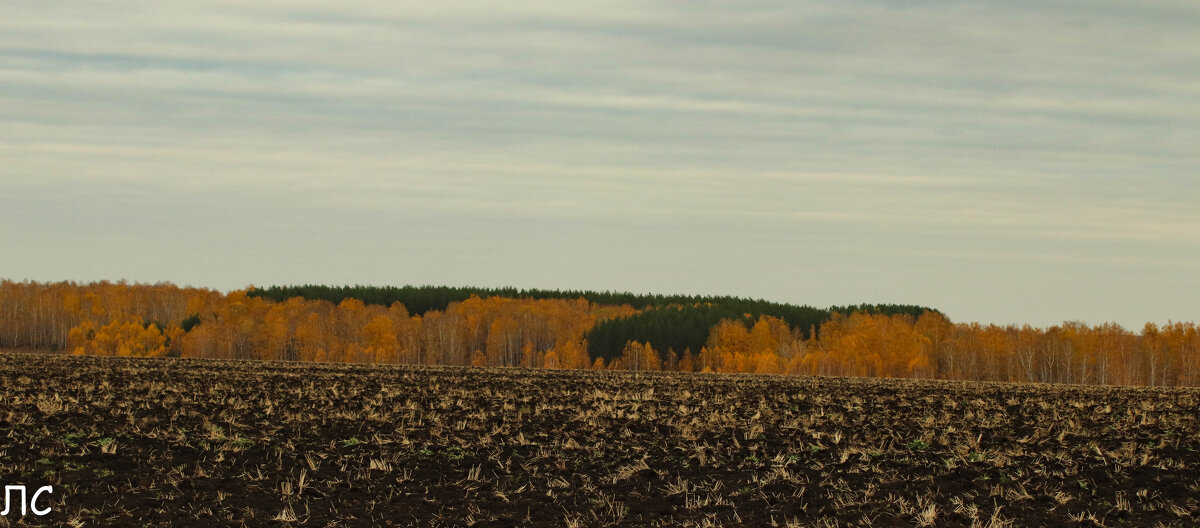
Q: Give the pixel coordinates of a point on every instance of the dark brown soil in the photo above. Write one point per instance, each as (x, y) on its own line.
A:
(207, 443)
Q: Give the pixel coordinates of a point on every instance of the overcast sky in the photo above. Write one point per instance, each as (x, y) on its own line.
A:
(1007, 162)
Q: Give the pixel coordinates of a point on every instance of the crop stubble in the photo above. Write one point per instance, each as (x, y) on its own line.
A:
(221, 443)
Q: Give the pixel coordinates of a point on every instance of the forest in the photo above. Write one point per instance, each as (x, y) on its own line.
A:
(579, 329)
(666, 322)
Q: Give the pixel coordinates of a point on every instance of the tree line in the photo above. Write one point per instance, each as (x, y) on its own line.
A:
(683, 328)
(421, 299)
(559, 331)
(666, 322)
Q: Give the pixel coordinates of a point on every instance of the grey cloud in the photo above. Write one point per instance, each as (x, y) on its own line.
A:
(833, 152)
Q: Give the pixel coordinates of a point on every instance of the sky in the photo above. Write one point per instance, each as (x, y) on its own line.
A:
(1004, 162)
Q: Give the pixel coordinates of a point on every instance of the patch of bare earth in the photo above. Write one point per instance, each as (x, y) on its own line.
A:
(131, 442)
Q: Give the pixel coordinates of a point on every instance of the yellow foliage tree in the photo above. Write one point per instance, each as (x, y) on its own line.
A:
(379, 340)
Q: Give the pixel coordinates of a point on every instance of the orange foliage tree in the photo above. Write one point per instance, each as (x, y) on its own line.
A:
(123, 319)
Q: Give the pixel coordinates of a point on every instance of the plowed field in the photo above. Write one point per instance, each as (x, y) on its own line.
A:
(206, 443)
